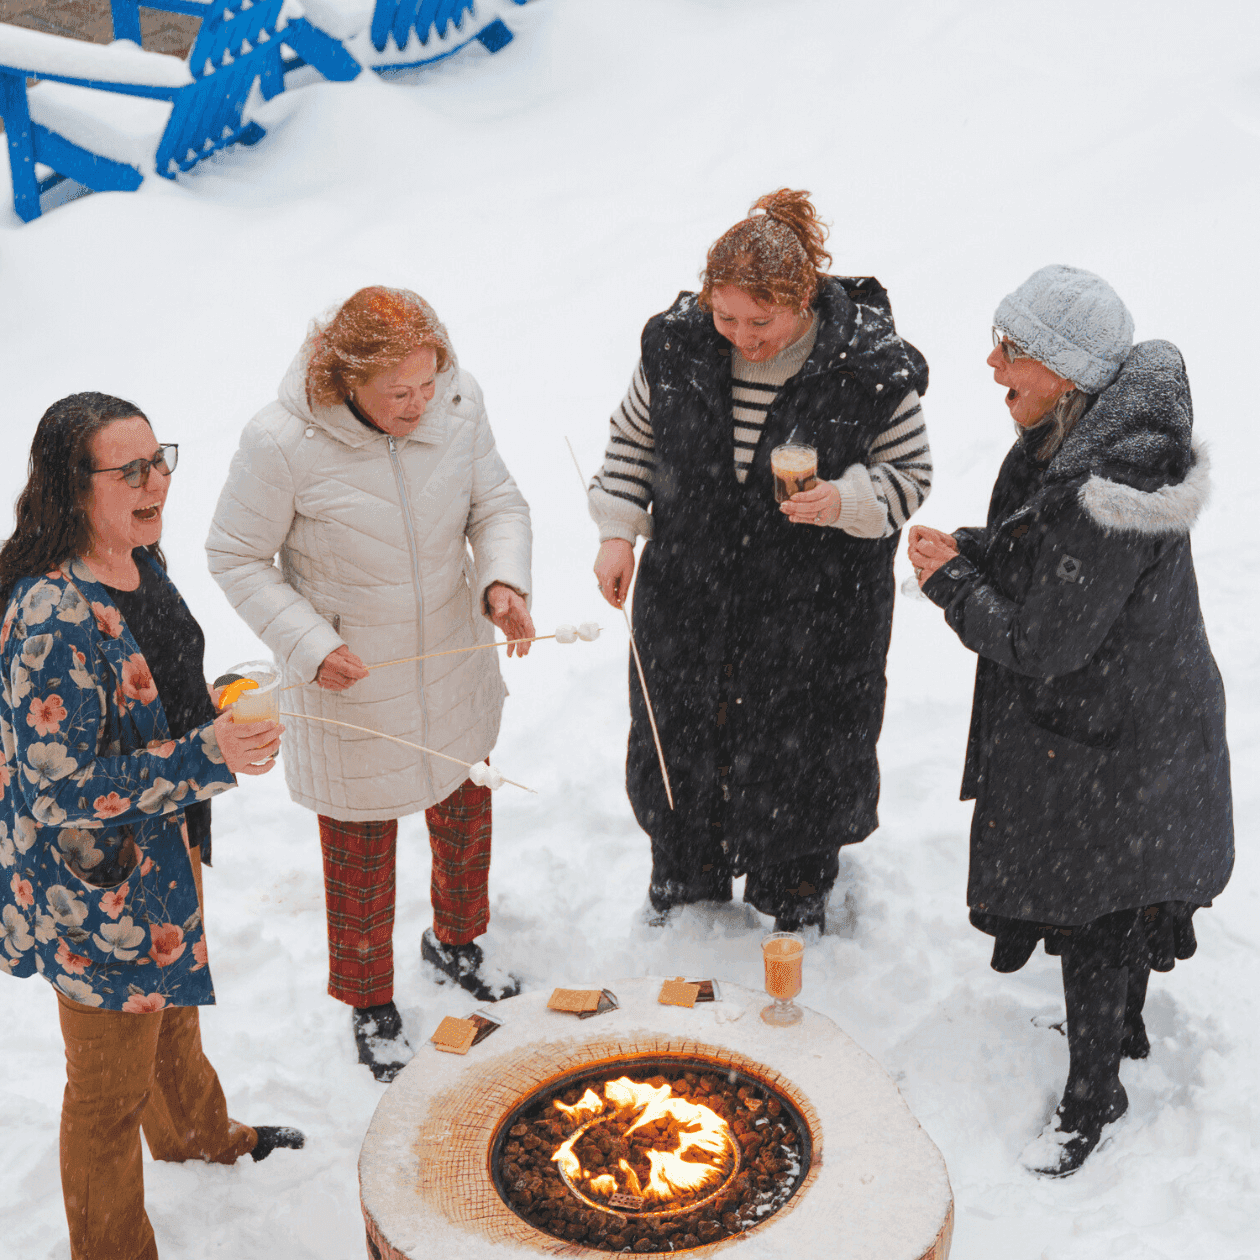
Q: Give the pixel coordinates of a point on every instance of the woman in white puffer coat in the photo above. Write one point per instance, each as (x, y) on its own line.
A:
(372, 476)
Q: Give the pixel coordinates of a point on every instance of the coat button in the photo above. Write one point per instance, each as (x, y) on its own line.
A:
(992, 823)
(1050, 752)
(310, 432)
(455, 400)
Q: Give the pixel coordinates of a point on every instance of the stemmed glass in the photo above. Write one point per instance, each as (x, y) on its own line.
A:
(783, 952)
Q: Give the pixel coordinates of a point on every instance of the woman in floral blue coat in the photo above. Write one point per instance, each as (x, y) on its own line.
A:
(110, 745)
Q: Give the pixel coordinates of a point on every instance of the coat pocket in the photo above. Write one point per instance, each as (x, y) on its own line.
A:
(1082, 707)
(1071, 790)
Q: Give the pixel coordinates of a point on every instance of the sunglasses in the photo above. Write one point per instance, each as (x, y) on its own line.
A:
(136, 473)
(1010, 351)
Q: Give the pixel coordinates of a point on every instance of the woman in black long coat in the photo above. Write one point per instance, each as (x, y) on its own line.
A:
(1097, 756)
(763, 627)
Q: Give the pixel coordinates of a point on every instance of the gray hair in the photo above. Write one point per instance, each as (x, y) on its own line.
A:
(1059, 422)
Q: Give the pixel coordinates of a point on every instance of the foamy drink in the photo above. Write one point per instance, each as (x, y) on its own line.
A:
(795, 468)
(783, 953)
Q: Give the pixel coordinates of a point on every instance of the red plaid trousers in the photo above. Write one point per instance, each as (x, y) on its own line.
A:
(359, 890)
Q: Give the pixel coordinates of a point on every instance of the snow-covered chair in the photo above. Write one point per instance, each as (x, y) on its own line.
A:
(409, 33)
(108, 116)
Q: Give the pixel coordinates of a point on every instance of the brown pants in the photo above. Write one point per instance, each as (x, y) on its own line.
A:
(126, 1072)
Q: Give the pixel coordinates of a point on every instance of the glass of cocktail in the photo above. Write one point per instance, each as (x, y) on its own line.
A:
(783, 952)
(257, 703)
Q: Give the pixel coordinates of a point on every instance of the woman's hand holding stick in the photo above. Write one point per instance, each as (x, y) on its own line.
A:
(508, 612)
(340, 669)
(614, 570)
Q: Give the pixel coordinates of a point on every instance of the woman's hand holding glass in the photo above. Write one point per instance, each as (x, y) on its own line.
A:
(248, 747)
(929, 549)
(819, 506)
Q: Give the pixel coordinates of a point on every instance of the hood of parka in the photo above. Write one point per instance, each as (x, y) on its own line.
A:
(340, 422)
(1141, 469)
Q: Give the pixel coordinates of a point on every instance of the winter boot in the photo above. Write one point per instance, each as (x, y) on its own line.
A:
(800, 917)
(464, 964)
(1093, 1097)
(273, 1136)
(1071, 1136)
(379, 1035)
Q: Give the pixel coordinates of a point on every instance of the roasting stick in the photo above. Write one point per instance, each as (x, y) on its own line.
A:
(406, 660)
(638, 664)
(306, 717)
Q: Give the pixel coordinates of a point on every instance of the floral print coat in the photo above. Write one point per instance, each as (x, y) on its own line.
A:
(96, 884)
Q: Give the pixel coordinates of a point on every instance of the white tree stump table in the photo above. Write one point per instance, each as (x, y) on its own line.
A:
(877, 1188)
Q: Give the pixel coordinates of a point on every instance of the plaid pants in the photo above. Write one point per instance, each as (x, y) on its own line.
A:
(359, 890)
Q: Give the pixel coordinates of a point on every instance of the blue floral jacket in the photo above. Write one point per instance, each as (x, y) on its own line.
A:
(96, 882)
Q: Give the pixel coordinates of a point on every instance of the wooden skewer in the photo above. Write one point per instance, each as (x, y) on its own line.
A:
(394, 738)
(638, 663)
(498, 643)
(406, 660)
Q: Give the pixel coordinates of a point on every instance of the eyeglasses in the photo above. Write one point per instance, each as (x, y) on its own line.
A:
(1010, 351)
(136, 473)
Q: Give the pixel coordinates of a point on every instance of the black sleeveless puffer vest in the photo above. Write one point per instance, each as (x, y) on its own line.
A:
(764, 642)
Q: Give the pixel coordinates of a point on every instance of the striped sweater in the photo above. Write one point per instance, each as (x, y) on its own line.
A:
(876, 498)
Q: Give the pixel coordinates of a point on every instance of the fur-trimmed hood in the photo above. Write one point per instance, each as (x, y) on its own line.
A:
(1172, 508)
(1141, 469)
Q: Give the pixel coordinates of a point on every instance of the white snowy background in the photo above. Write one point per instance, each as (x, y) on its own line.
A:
(547, 201)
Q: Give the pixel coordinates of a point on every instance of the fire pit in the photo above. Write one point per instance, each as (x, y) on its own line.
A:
(651, 1129)
(660, 1154)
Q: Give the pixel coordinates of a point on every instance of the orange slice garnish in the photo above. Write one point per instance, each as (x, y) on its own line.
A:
(234, 690)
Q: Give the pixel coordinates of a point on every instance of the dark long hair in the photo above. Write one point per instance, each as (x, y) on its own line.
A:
(52, 517)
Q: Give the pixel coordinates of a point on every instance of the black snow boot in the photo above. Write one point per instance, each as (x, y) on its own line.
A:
(1071, 1136)
(378, 1033)
(273, 1136)
(806, 912)
(1093, 1097)
(464, 964)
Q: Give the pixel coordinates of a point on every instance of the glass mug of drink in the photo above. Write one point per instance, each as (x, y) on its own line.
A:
(795, 468)
(783, 952)
(257, 703)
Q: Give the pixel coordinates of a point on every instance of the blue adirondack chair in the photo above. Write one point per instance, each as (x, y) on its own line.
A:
(433, 19)
(235, 48)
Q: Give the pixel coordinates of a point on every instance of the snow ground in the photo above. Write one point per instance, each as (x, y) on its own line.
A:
(547, 200)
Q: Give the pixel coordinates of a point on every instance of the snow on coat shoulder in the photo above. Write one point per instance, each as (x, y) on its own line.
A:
(385, 545)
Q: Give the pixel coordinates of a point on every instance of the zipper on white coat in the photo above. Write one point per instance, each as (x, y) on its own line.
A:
(415, 582)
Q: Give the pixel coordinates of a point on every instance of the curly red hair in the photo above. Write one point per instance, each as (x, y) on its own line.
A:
(371, 332)
(776, 255)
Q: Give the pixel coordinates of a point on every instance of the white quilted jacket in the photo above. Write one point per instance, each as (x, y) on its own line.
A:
(373, 535)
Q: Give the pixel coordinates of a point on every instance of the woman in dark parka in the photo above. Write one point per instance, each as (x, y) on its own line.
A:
(1097, 755)
(763, 627)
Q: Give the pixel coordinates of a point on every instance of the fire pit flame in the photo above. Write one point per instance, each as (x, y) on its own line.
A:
(702, 1156)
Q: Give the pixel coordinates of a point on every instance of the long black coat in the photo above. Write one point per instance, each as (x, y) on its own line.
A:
(763, 642)
(1097, 754)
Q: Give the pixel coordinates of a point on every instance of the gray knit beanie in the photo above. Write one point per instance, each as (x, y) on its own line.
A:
(1072, 321)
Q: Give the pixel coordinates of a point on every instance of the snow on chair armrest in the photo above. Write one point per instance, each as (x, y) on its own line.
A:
(122, 62)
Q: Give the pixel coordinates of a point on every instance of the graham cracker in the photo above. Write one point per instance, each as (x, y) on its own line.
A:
(574, 1001)
(677, 992)
(455, 1036)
